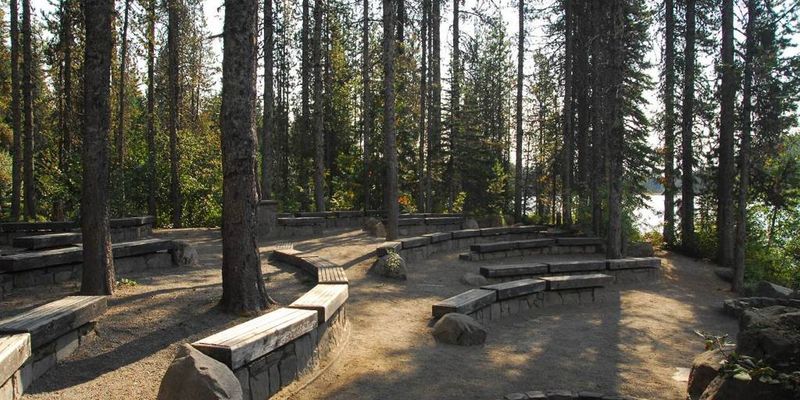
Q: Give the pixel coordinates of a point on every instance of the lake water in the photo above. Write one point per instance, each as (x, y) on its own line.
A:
(651, 217)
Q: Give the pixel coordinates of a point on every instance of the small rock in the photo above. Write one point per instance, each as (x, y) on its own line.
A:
(769, 289)
(470, 223)
(726, 274)
(459, 329)
(471, 279)
(196, 376)
(374, 227)
(185, 254)
(640, 249)
(391, 265)
(705, 368)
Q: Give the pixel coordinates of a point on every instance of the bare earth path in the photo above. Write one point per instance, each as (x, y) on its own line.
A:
(630, 345)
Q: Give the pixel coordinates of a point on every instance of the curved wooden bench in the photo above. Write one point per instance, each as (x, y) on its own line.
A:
(49, 240)
(14, 351)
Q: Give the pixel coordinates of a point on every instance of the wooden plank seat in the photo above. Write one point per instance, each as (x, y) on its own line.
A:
(386, 247)
(49, 226)
(248, 341)
(466, 233)
(319, 214)
(40, 259)
(139, 247)
(349, 214)
(15, 349)
(301, 221)
(409, 221)
(49, 321)
(131, 221)
(562, 282)
(48, 240)
(332, 275)
(558, 267)
(443, 220)
(498, 230)
(465, 303)
(530, 229)
(521, 287)
(535, 243)
(499, 271)
(492, 247)
(324, 299)
(413, 242)
(634, 263)
(579, 241)
(439, 236)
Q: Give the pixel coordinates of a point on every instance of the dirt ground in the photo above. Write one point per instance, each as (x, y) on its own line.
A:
(632, 344)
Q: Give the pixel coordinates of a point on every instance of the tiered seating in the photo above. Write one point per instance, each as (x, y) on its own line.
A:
(512, 248)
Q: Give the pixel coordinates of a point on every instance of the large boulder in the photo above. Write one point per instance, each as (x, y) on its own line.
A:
(459, 329)
(705, 368)
(196, 376)
(374, 227)
(184, 254)
(392, 265)
(727, 388)
(771, 334)
(724, 273)
(470, 223)
(769, 289)
(639, 249)
(472, 279)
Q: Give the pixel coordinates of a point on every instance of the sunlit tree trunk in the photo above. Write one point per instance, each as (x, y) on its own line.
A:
(389, 124)
(726, 171)
(688, 238)
(669, 123)
(16, 116)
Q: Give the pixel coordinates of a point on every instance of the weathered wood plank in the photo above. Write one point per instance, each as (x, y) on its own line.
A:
(522, 287)
(332, 275)
(466, 233)
(443, 220)
(498, 230)
(49, 321)
(49, 240)
(14, 351)
(465, 303)
(40, 259)
(579, 241)
(413, 242)
(558, 267)
(139, 247)
(492, 247)
(535, 243)
(633, 263)
(243, 343)
(562, 282)
(439, 236)
(301, 221)
(325, 299)
(498, 271)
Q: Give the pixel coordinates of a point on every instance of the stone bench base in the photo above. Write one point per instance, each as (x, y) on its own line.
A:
(475, 256)
(535, 301)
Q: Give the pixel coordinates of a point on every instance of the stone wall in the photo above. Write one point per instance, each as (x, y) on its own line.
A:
(535, 301)
(122, 229)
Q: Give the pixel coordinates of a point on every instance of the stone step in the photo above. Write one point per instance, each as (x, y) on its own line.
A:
(561, 282)
(465, 303)
(558, 267)
(45, 241)
(47, 322)
(522, 287)
(498, 271)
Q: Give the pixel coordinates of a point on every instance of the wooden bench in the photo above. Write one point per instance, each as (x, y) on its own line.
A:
(52, 320)
(492, 247)
(50, 226)
(439, 236)
(332, 275)
(499, 271)
(324, 299)
(40, 259)
(634, 263)
(45, 241)
(562, 282)
(522, 287)
(413, 242)
(243, 343)
(15, 349)
(443, 220)
(465, 303)
(579, 241)
(301, 221)
(466, 233)
(139, 247)
(499, 230)
(534, 243)
(558, 267)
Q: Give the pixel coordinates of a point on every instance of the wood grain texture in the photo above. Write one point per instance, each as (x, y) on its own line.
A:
(325, 299)
(49, 321)
(14, 351)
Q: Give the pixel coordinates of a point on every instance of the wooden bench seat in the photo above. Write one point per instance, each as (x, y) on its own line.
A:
(332, 275)
(301, 221)
(320, 214)
(349, 214)
(466, 233)
(40, 259)
(50, 226)
(439, 236)
(409, 221)
(248, 341)
(48, 240)
(443, 220)
(492, 247)
(131, 221)
(498, 230)
(139, 247)
(465, 303)
(499, 271)
(386, 247)
(47, 322)
(324, 299)
(561, 282)
(14, 351)
(521, 287)
(534, 243)
(558, 267)
(633, 263)
(579, 241)
(413, 242)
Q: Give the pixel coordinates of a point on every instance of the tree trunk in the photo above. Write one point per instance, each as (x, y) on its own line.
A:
(581, 76)
(518, 159)
(744, 151)
(305, 125)
(151, 129)
(598, 111)
(120, 139)
(435, 114)
(389, 127)
(243, 290)
(423, 97)
(98, 262)
(669, 124)
(567, 114)
(27, 110)
(173, 47)
(616, 134)
(455, 105)
(269, 112)
(319, 144)
(16, 116)
(366, 112)
(726, 171)
(688, 239)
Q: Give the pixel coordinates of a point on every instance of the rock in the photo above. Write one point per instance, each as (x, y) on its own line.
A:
(374, 227)
(470, 223)
(705, 368)
(727, 388)
(196, 376)
(726, 274)
(769, 289)
(184, 254)
(459, 329)
(771, 334)
(640, 249)
(471, 279)
(391, 265)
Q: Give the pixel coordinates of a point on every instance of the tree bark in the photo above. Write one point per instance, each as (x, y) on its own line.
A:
(151, 129)
(16, 116)
(305, 124)
(455, 104)
(567, 115)
(120, 139)
(423, 97)
(243, 289)
(268, 122)
(66, 120)
(27, 110)
(98, 262)
(435, 114)
(616, 135)
(319, 144)
(366, 111)
(581, 76)
(669, 124)
(726, 172)
(688, 239)
(598, 111)
(389, 124)
(173, 47)
(518, 159)
(744, 151)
